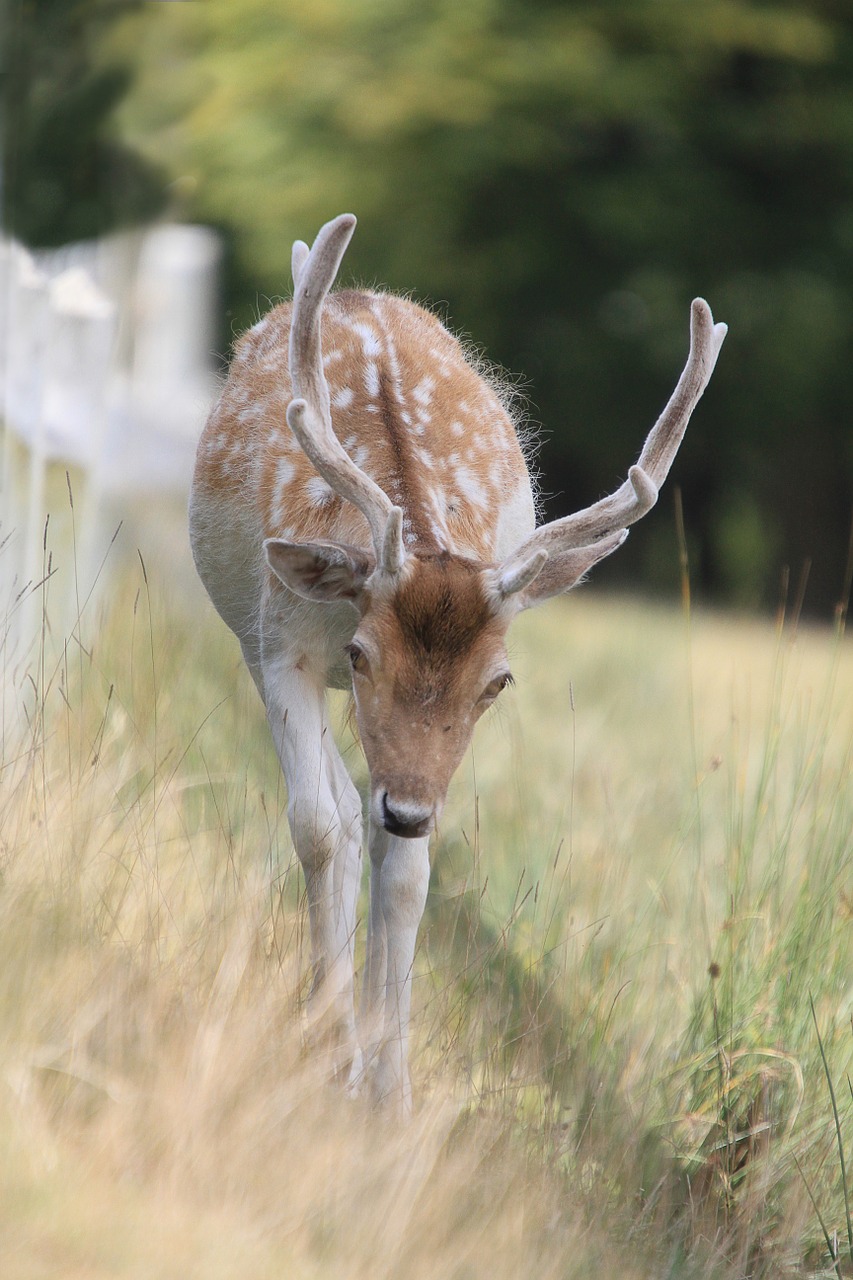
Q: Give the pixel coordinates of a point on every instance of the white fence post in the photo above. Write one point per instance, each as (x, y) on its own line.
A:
(105, 366)
(24, 499)
(79, 360)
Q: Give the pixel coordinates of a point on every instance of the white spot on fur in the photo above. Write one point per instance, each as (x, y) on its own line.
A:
(284, 472)
(343, 399)
(371, 378)
(440, 362)
(369, 338)
(318, 491)
(457, 428)
(516, 518)
(279, 515)
(376, 307)
(330, 357)
(423, 391)
(470, 486)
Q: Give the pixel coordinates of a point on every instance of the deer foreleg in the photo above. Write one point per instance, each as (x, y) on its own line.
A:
(324, 812)
(399, 879)
(376, 956)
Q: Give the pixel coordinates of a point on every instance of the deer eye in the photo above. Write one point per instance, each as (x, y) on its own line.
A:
(496, 686)
(358, 659)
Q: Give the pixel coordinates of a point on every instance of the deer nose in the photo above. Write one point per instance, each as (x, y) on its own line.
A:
(405, 819)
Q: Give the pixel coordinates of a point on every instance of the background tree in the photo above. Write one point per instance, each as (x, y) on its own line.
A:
(564, 177)
(66, 173)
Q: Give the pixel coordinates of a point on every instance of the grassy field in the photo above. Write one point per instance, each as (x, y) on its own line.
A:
(633, 988)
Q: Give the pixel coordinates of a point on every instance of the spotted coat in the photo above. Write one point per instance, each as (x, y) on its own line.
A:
(410, 409)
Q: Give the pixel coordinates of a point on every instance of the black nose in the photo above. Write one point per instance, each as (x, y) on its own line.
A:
(406, 820)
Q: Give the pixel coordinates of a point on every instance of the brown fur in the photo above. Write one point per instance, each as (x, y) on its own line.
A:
(438, 636)
(441, 611)
(425, 450)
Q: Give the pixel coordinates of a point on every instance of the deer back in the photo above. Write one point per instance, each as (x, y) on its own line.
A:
(409, 407)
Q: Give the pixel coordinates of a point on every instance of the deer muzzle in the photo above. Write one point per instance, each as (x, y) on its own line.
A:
(405, 818)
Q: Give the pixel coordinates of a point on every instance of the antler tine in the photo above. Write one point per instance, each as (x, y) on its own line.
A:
(633, 499)
(309, 413)
(298, 258)
(706, 339)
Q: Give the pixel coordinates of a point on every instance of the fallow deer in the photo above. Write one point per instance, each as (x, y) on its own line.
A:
(363, 518)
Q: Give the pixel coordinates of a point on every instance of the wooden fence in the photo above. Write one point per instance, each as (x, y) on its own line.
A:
(107, 372)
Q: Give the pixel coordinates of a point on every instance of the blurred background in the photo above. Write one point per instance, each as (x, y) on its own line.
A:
(560, 179)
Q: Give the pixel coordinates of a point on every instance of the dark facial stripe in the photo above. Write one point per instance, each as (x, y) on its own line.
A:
(441, 610)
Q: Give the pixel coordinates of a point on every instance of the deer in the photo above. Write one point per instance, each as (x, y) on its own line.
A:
(363, 517)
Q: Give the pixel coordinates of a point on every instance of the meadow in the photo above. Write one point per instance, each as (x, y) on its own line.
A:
(633, 1043)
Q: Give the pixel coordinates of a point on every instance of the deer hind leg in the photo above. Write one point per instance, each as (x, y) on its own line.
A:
(399, 879)
(324, 812)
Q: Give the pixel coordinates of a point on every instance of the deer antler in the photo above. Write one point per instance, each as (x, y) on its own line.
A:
(633, 499)
(309, 413)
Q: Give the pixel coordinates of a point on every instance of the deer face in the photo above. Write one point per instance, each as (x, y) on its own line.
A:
(427, 657)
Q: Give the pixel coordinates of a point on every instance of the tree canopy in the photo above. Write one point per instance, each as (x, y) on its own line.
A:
(66, 173)
(562, 178)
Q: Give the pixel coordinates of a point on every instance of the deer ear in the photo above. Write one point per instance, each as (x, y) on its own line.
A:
(323, 571)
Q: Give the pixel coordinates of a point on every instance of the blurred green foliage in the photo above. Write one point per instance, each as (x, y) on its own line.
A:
(562, 177)
(66, 174)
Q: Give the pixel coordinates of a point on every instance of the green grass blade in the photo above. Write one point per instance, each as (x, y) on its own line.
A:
(837, 1130)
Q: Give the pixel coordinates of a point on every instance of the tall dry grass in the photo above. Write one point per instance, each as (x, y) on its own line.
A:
(644, 877)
